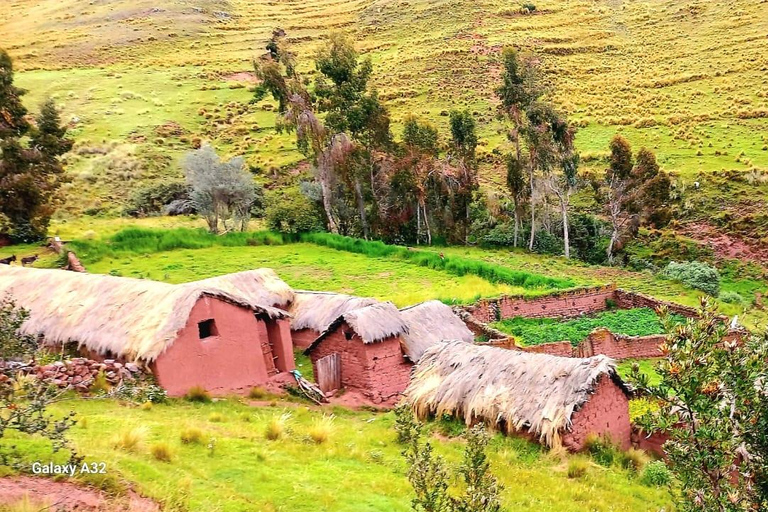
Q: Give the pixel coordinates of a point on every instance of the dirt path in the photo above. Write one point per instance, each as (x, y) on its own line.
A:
(67, 496)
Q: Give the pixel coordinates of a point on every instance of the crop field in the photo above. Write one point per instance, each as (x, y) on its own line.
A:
(321, 459)
(140, 83)
(535, 331)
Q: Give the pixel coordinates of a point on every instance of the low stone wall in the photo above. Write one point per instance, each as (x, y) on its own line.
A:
(564, 304)
(79, 373)
(559, 348)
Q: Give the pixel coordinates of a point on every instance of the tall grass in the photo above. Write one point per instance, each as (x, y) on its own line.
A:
(452, 264)
(137, 241)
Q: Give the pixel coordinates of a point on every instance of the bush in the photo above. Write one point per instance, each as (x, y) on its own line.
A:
(547, 243)
(191, 435)
(161, 452)
(602, 450)
(634, 459)
(656, 474)
(128, 440)
(100, 383)
(577, 467)
(198, 394)
(320, 432)
(292, 212)
(276, 427)
(732, 298)
(152, 199)
(695, 274)
(257, 393)
(528, 7)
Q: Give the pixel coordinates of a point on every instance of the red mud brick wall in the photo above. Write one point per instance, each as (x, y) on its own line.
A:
(228, 362)
(378, 370)
(303, 338)
(388, 370)
(279, 332)
(605, 414)
(631, 300)
(603, 341)
(559, 348)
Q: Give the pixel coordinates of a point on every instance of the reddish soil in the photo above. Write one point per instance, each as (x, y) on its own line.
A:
(67, 496)
(724, 245)
(242, 76)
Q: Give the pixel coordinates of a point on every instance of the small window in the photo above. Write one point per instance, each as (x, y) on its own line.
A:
(349, 335)
(207, 328)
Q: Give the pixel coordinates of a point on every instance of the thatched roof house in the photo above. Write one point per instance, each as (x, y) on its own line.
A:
(429, 323)
(371, 324)
(556, 400)
(313, 312)
(155, 323)
(260, 286)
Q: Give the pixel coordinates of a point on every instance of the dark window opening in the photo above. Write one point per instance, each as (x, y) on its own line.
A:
(348, 335)
(207, 328)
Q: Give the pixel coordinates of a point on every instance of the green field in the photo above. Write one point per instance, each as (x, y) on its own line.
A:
(358, 467)
(535, 331)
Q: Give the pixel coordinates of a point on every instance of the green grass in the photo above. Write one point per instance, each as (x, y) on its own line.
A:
(358, 466)
(535, 331)
(646, 367)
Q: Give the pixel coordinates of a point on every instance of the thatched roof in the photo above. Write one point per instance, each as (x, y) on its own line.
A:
(318, 310)
(508, 389)
(429, 323)
(131, 318)
(372, 323)
(260, 286)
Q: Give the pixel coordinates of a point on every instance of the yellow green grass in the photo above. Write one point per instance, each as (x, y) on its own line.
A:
(357, 467)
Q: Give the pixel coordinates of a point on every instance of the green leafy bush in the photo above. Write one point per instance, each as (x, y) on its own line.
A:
(150, 200)
(695, 274)
(732, 298)
(293, 212)
(656, 474)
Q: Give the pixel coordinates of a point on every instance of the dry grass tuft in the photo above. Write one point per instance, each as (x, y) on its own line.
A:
(128, 440)
(277, 426)
(198, 394)
(191, 435)
(321, 431)
(161, 452)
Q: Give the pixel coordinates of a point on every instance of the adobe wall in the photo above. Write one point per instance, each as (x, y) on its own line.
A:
(605, 414)
(279, 332)
(303, 338)
(378, 370)
(558, 348)
(629, 300)
(229, 362)
(564, 304)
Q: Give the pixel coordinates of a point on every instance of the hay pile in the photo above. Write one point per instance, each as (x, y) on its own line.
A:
(430, 323)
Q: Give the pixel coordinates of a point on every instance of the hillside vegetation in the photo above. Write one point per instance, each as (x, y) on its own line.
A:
(141, 81)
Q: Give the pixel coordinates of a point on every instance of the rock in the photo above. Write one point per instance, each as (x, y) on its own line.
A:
(132, 367)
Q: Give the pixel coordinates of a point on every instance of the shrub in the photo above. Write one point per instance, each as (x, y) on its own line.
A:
(215, 417)
(695, 274)
(656, 474)
(257, 393)
(732, 298)
(13, 345)
(293, 212)
(152, 199)
(276, 427)
(128, 440)
(198, 394)
(100, 383)
(146, 406)
(602, 450)
(577, 467)
(321, 430)
(191, 436)
(161, 452)
(634, 459)
(528, 7)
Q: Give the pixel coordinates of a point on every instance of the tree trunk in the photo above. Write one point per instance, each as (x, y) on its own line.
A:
(361, 207)
(533, 217)
(609, 251)
(426, 224)
(564, 210)
(517, 226)
(333, 226)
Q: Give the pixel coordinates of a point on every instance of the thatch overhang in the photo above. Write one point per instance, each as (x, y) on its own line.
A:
(318, 310)
(510, 390)
(373, 323)
(429, 323)
(135, 319)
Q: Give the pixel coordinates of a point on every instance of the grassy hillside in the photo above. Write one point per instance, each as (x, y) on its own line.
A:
(142, 81)
(357, 468)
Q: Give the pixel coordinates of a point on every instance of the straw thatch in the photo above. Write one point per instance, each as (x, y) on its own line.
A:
(430, 323)
(260, 286)
(511, 390)
(132, 318)
(318, 310)
(372, 324)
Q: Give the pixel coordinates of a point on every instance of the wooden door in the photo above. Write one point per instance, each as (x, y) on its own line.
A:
(329, 372)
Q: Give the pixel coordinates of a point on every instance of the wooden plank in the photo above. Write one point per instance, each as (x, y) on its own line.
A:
(329, 372)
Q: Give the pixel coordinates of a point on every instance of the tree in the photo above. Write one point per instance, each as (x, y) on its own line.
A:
(713, 405)
(463, 180)
(31, 172)
(516, 182)
(222, 192)
(421, 150)
(633, 192)
(429, 475)
(276, 70)
(343, 94)
(519, 90)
